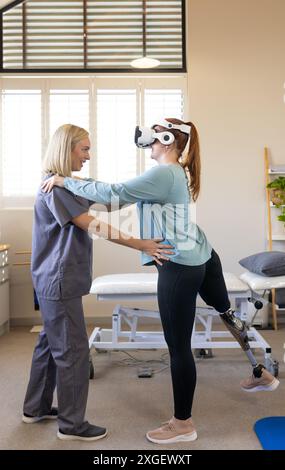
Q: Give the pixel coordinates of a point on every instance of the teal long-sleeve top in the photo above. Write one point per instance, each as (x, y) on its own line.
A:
(163, 203)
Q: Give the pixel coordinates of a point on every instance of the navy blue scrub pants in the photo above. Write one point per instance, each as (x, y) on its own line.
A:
(178, 287)
(61, 359)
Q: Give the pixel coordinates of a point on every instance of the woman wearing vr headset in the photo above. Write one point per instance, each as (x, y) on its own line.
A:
(163, 194)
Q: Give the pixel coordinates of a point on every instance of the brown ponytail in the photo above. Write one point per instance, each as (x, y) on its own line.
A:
(191, 160)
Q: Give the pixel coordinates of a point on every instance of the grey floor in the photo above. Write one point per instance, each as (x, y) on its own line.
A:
(129, 406)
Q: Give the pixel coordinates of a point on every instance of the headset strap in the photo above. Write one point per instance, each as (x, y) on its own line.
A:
(180, 127)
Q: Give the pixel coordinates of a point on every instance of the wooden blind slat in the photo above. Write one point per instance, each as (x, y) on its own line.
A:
(54, 32)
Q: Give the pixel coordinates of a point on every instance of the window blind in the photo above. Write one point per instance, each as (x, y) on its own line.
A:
(21, 142)
(110, 107)
(12, 38)
(70, 107)
(116, 121)
(92, 34)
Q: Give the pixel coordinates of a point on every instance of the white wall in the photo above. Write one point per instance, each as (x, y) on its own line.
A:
(3, 3)
(236, 76)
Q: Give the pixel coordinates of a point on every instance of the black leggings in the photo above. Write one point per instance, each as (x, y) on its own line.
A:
(178, 287)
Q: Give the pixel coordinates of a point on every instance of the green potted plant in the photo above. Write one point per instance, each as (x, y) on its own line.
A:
(277, 193)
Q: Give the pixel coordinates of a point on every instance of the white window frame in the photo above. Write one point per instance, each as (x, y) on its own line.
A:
(91, 83)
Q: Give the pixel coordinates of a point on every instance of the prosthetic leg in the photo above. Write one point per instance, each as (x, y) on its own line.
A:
(239, 329)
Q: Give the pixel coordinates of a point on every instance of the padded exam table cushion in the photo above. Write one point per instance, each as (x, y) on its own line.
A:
(132, 283)
(257, 282)
(146, 283)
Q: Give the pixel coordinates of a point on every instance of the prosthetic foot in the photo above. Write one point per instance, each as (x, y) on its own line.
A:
(261, 379)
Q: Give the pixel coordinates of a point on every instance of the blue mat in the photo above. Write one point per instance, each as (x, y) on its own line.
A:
(271, 432)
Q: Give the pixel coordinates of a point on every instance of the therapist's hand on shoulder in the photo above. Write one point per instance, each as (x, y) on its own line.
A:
(55, 180)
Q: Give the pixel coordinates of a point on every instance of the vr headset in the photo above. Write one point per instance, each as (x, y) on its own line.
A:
(145, 136)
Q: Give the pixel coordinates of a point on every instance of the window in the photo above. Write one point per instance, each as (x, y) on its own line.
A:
(109, 107)
(116, 117)
(160, 104)
(70, 107)
(21, 142)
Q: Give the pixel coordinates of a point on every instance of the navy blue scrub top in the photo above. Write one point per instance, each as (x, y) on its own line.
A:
(61, 263)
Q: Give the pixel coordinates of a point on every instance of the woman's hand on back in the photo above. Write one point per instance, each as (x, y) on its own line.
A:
(55, 180)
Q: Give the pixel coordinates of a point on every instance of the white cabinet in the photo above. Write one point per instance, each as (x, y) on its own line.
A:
(4, 289)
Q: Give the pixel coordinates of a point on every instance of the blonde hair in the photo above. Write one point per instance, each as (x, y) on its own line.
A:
(58, 155)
